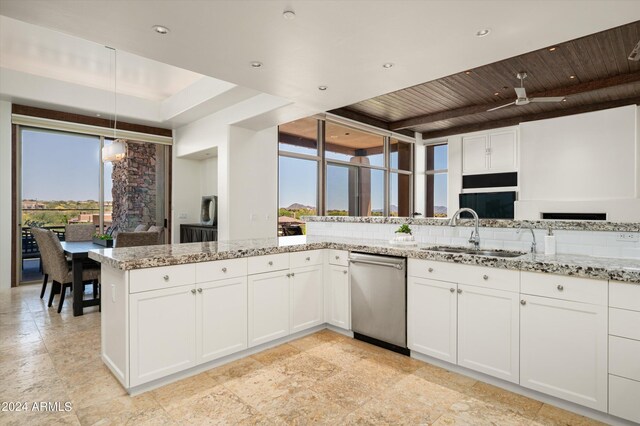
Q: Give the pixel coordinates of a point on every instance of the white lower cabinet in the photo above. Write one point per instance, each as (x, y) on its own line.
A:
(432, 318)
(307, 294)
(221, 318)
(269, 295)
(488, 331)
(563, 347)
(162, 333)
(338, 297)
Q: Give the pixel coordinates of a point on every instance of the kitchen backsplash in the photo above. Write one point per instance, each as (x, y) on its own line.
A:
(592, 243)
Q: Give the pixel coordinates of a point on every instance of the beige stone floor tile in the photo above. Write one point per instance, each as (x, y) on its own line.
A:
(309, 342)
(305, 407)
(306, 370)
(278, 354)
(74, 342)
(499, 397)
(99, 386)
(262, 386)
(38, 418)
(220, 406)
(338, 354)
(474, 412)
(28, 366)
(15, 317)
(446, 378)
(47, 386)
(235, 369)
(378, 376)
(19, 333)
(122, 410)
(554, 416)
(176, 393)
(68, 363)
(345, 389)
(11, 352)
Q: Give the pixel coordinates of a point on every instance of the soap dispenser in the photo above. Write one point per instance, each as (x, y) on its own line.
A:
(550, 243)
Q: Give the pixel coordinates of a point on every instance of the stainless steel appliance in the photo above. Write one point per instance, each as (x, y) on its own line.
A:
(379, 300)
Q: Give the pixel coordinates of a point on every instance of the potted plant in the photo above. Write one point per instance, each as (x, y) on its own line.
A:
(105, 240)
(403, 233)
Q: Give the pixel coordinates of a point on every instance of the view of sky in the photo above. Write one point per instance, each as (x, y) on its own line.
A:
(62, 166)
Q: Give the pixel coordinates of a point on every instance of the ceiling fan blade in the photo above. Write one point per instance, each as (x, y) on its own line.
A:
(502, 106)
(548, 99)
(521, 92)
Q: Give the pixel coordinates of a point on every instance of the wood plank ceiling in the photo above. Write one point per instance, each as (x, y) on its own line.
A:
(593, 72)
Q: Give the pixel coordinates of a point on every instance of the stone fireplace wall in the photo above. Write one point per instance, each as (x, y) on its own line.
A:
(134, 187)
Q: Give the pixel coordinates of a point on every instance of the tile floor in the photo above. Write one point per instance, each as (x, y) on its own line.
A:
(324, 378)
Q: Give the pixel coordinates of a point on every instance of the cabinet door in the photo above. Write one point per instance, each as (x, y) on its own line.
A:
(268, 306)
(306, 298)
(163, 333)
(502, 151)
(339, 309)
(488, 331)
(564, 350)
(221, 314)
(474, 154)
(432, 318)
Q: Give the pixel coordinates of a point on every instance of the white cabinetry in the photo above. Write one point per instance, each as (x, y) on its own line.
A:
(432, 318)
(338, 297)
(307, 294)
(563, 342)
(268, 306)
(491, 152)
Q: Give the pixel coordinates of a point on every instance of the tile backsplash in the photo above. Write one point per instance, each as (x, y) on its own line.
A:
(591, 243)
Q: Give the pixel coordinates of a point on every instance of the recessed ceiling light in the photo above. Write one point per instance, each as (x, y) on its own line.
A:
(483, 32)
(564, 100)
(387, 65)
(496, 94)
(323, 88)
(347, 133)
(467, 72)
(161, 29)
(256, 64)
(572, 77)
(289, 15)
(98, 115)
(553, 48)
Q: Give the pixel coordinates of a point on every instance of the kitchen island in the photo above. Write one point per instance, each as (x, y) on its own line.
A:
(535, 324)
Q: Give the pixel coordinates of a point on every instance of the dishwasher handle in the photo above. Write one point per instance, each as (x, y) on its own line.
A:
(373, 262)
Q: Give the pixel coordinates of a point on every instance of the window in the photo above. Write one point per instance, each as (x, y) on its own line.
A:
(436, 185)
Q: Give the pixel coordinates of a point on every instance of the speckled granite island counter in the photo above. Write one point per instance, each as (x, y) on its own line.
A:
(624, 270)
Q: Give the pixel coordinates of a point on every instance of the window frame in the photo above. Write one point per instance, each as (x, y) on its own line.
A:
(434, 172)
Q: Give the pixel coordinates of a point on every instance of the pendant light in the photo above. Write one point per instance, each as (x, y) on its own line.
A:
(116, 151)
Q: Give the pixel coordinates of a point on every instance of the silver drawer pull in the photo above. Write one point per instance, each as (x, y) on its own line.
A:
(345, 271)
(270, 263)
(523, 302)
(485, 277)
(560, 287)
(224, 270)
(199, 290)
(308, 259)
(459, 291)
(452, 290)
(193, 290)
(430, 269)
(337, 257)
(166, 278)
(288, 275)
(293, 274)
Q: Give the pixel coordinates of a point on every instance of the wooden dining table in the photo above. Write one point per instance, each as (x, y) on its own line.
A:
(78, 251)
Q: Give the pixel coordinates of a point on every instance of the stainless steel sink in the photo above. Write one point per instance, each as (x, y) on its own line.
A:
(464, 250)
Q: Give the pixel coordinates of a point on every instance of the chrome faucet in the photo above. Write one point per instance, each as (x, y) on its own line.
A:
(533, 236)
(475, 234)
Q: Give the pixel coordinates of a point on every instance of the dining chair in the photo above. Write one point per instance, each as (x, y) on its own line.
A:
(39, 235)
(136, 239)
(158, 230)
(79, 232)
(141, 228)
(58, 268)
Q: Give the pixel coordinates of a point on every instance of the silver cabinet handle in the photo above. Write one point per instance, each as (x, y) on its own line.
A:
(308, 259)
(224, 270)
(337, 257)
(193, 290)
(345, 271)
(430, 269)
(270, 263)
(288, 275)
(459, 291)
(199, 290)
(452, 290)
(523, 302)
(166, 278)
(560, 287)
(485, 277)
(293, 274)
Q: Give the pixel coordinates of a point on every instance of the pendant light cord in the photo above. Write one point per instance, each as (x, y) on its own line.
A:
(115, 92)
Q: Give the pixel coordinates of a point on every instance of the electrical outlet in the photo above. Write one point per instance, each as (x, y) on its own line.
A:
(182, 216)
(253, 217)
(630, 237)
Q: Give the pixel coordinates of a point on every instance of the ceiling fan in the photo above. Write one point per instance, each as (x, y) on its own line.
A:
(522, 95)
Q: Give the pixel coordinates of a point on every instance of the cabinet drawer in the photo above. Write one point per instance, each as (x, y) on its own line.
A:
(624, 357)
(220, 270)
(339, 257)
(495, 278)
(305, 258)
(268, 263)
(624, 323)
(624, 398)
(624, 295)
(440, 271)
(161, 277)
(565, 288)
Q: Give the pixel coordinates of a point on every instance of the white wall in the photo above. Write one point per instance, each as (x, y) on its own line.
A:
(185, 193)
(5, 195)
(253, 183)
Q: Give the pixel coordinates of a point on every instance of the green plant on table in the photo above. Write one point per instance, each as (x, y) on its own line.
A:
(103, 236)
(404, 229)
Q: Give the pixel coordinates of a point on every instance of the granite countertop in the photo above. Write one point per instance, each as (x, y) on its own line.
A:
(626, 270)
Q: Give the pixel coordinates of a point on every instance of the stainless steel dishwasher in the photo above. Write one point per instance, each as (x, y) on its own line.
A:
(379, 300)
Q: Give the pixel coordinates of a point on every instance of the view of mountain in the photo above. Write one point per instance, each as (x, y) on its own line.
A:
(298, 206)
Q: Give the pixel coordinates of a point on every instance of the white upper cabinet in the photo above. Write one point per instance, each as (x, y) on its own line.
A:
(491, 152)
